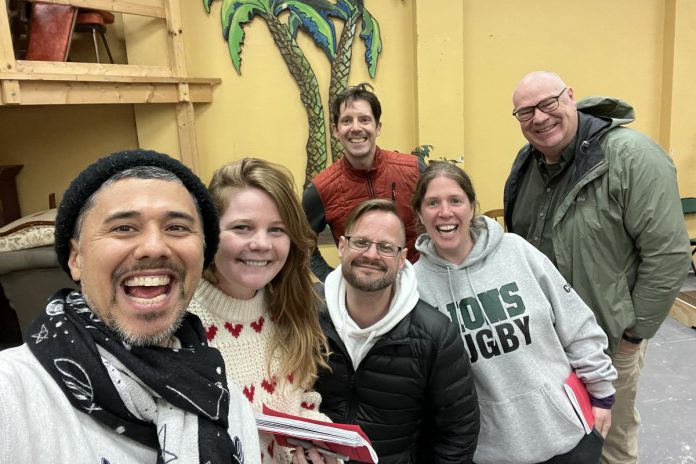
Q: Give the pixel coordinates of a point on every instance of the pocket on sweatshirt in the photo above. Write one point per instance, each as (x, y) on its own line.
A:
(527, 428)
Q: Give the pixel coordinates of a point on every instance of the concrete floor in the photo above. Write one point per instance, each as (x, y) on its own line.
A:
(667, 395)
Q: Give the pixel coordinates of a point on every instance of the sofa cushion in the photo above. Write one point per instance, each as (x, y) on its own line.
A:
(34, 230)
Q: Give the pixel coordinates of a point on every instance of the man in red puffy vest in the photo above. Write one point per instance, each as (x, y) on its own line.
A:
(365, 172)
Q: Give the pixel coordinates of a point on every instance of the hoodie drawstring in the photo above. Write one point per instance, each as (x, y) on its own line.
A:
(460, 320)
(496, 339)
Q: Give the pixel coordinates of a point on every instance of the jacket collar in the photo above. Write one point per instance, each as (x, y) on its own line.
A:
(359, 174)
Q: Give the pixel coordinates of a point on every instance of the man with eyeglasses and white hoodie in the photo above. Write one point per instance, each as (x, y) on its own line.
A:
(601, 202)
(398, 367)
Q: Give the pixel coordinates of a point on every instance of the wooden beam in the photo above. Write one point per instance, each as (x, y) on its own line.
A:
(684, 309)
(186, 125)
(26, 77)
(7, 58)
(121, 6)
(177, 54)
(80, 93)
(90, 69)
(185, 117)
(10, 92)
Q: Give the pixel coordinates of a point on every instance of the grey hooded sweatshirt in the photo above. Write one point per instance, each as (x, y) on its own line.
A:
(525, 330)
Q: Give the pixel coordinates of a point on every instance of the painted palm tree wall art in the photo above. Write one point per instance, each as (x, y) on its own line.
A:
(340, 66)
(315, 18)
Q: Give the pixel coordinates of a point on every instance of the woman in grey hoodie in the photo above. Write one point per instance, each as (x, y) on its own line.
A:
(525, 328)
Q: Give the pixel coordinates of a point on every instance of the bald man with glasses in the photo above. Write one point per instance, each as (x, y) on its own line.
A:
(601, 202)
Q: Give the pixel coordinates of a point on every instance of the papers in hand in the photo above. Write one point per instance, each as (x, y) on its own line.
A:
(580, 399)
(347, 441)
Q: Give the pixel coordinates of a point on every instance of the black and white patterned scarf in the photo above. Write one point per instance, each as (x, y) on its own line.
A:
(131, 389)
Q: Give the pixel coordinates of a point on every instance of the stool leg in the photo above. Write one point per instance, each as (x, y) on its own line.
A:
(106, 45)
(96, 46)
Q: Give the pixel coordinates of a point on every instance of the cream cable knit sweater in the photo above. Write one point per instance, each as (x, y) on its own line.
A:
(242, 330)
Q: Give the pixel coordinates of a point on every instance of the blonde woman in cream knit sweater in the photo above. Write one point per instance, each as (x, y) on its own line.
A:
(256, 302)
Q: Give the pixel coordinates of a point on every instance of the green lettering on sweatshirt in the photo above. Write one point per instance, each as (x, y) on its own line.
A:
(509, 296)
(472, 317)
(492, 305)
(452, 310)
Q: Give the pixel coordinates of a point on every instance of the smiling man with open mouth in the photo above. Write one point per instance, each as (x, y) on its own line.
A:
(365, 172)
(120, 367)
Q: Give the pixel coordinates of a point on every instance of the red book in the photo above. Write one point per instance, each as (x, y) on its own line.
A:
(344, 440)
(580, 399)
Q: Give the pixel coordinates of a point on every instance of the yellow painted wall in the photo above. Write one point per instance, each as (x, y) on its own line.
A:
(445, 78)
(599, 48)
(54, 143)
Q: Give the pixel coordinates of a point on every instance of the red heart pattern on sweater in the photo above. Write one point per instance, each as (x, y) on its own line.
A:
(258, 325)
(235, 330)
(309, 406)
(249, 393)
(270, 448)
(268, 386)
(210, 332)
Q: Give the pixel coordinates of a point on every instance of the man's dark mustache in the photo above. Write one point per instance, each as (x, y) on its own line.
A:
(149, 265)
(362, 261)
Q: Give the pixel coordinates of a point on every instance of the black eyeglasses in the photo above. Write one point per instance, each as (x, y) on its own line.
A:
(546, 105)
(383, 248)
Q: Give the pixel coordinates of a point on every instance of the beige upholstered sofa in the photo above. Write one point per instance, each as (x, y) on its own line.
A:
(29, 270)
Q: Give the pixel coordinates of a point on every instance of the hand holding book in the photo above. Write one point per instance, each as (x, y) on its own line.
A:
(308, 453)
(580, 399)
(345, 440)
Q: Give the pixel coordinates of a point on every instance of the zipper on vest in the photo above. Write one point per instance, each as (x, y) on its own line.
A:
(370, 187)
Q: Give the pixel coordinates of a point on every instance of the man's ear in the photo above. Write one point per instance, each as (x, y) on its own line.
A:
(378, 131)
(334, 130)
(402, 258)
(341, 246)
(74, 261)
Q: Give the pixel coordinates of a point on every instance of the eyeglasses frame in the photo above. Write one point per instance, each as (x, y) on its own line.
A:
(352, 247)
(536, 107)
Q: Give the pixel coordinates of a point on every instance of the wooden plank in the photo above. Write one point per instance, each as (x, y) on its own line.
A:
(121, 6)
(7, 58)
(89, 69)
(177, 53)
(186, 124)
(77, 93)
(10, 92)
(23, 77)
(184, 92)
(684, 309)
(185, 116)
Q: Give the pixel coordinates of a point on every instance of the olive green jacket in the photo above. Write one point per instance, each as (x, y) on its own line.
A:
(618, 233)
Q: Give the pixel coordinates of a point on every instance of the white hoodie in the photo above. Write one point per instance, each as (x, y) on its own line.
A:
(359, 341)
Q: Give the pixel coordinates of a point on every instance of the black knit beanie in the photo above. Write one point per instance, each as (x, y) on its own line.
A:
(92, 178)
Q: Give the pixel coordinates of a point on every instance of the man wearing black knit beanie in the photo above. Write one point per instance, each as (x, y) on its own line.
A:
(120, 371)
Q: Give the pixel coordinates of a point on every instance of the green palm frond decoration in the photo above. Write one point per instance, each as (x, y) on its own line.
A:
(352, 11)
(234, 14)
(313, 17)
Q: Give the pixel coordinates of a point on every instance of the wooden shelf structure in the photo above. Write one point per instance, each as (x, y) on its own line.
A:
(58, 83)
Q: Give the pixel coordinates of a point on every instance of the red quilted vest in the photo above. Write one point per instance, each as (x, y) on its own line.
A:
(393, 175)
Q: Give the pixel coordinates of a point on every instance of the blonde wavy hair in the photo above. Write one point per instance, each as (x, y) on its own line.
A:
(290, 297)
